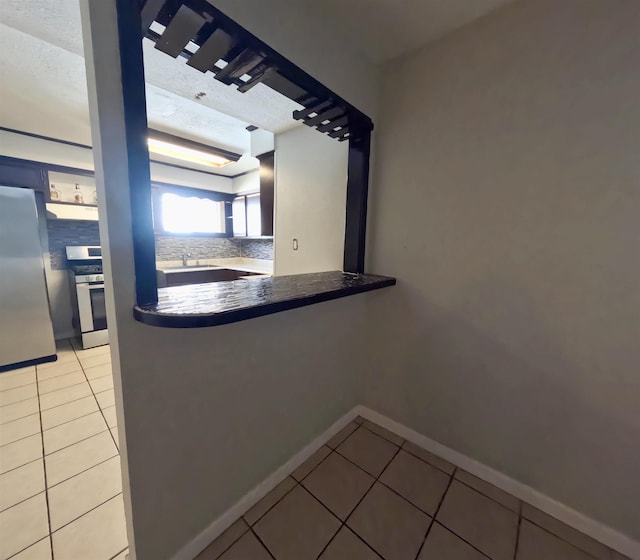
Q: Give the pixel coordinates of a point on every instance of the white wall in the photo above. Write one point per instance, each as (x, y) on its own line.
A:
(311, 191)
(248, 183)
(209, 413)
(508, 206)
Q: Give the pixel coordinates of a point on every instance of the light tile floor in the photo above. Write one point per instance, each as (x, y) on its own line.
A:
(60, 480)
(368, 494)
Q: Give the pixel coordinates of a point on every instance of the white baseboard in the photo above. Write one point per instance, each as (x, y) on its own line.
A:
(200, 542)
(596, 530)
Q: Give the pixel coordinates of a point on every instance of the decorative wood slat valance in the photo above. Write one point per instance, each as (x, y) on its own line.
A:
(247, 61)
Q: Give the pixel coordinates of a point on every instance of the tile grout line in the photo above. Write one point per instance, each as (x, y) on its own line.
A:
(116, 443)
(586, 553)
(73, 419)
(257, 537)
(28, 497)
(84, 470)
(44, 467)
(489, 497)
(232, 543)
(375, 479)
(515, 552)
(75, 442)
(48, 393)
(53, 428)
(21, 400)
(29, 546)
(16, 387)
(23, 437)
(120, 552)
(68, 402)
(274, 505)
(386, 485)
(435, 513)
(87, 512)
(451, 530)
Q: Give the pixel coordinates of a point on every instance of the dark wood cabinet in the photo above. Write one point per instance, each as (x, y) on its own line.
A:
(14, 174)
(185, 277)
(267, 192)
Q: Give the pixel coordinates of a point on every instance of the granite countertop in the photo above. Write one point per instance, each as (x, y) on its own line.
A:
(219, 303)
(243, 264)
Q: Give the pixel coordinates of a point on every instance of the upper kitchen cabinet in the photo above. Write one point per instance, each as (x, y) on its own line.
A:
(267, 192)
(254, 205)
(72, 196)
(13, 174)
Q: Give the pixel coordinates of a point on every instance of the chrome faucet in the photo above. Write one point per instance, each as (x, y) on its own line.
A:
(185, 259)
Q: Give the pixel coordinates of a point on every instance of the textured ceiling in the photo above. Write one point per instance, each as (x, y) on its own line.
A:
(42, 73)
(43, 88)
(385, 29)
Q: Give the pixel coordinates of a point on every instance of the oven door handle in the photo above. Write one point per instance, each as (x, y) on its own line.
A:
(85, 309)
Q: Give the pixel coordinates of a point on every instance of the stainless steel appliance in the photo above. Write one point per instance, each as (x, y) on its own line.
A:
(85, 268)
(26, 331)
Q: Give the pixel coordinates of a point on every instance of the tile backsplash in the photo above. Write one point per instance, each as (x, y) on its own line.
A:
(257, 248)
(69, 232)
(169, 248)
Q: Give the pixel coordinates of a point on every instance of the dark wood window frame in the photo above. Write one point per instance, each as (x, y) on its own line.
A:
(245, 55)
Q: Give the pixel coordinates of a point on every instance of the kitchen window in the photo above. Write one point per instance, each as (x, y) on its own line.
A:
(247, 221)
(187, 211)
(181, 214)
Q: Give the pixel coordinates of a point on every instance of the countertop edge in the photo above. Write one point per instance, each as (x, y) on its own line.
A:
(149, 316)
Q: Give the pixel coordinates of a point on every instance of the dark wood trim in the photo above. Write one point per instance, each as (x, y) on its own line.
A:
(267, 192)
(63, 169)
(48, 166)
(239, 300)
(18, 173)
(357, 193)
(136, 130)
(47, 138)
(219, 37)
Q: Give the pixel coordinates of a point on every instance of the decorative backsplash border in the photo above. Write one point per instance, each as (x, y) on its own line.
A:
(169, 248)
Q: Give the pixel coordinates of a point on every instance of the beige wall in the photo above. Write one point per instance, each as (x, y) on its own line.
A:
(207, 414)
(311, 196)
(508, 205)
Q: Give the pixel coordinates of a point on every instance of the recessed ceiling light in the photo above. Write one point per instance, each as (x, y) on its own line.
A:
(186, 150)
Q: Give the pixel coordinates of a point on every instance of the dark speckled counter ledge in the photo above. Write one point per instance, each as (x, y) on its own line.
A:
(220, 303)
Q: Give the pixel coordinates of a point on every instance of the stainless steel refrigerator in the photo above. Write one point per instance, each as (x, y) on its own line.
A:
(26, 331)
